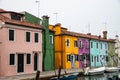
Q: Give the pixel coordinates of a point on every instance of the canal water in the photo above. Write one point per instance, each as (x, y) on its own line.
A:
(105, 76)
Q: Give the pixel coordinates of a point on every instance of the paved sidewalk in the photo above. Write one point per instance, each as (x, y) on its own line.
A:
(42, 74)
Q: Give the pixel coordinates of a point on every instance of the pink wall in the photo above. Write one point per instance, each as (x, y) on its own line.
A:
(19, 45)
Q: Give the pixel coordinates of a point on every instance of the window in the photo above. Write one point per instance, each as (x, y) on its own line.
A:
(80, 43)
(91, 44)
(105, 46)
(27, 36)
(87, 44)
(88, 57)
(97, 45)
(28, 58)
(68, 57)
(12, 59)
(75, 44)
(68, 42)
(51, 39)
(97, 58)
(15, 17)
(92, 58)
(11, 35)
(81, 57)
(101, 45)
(36, 37)
(76, 57)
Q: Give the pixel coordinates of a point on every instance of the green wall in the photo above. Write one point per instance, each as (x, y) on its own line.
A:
(31, 18)
(111, 54)
(47, 48)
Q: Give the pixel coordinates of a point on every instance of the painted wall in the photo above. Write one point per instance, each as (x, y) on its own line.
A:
(47, 47)
(19, 46)
(94, 53)
(65, 55)
(111, 54)
(84, 52)
(103, 53)
(31, 18)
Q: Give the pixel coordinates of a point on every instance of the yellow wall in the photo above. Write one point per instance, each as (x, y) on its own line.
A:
(61, 50)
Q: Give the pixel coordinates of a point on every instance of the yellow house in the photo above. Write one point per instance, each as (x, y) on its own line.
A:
(66, 48)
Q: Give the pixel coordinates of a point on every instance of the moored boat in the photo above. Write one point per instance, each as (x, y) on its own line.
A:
(66, 77)
(112, 69)
(95, 71)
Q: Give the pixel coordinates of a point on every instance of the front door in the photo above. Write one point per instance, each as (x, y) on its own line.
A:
(20, 67)
(73, 60)
(84, 60)
(35, 61)
(94, 60)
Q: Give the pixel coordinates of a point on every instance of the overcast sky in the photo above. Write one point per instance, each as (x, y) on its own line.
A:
(81, 16)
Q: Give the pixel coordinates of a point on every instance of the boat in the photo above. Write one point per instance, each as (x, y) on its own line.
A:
(94, 71)
(111, 69)
(72, 76)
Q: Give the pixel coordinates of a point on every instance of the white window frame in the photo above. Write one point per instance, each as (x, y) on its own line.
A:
(50, 38)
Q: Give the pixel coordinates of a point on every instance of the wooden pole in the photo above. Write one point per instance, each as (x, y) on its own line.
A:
(37, 75)
(59, 71)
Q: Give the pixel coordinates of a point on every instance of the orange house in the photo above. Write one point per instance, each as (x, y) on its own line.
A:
(66, 48)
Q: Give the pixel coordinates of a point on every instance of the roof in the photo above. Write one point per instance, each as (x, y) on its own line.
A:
(85, 36)
(4, 11)
(20, 23)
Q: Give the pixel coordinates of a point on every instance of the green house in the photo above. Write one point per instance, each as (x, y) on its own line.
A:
(47, 45)
(112, 57)
(47, 40)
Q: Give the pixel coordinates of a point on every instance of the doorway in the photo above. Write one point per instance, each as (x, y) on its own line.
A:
(35, 61)
(20, 65)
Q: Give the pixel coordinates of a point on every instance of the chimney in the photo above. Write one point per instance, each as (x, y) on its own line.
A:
(104, 34)
(117, 37)
(45, 21)
(99, 36)
(88, 33)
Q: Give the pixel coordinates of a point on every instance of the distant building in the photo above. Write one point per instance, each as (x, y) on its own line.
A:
(20, 45)
(112, 56)
(117, 48)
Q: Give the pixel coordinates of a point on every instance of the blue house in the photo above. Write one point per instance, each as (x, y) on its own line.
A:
(98, 50)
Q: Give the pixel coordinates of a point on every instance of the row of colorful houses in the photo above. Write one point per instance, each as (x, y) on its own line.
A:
(28, 44)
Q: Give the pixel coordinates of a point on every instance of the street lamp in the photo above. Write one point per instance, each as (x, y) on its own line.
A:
(38, 2)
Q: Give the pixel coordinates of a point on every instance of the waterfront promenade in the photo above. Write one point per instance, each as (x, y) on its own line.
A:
(42, 74)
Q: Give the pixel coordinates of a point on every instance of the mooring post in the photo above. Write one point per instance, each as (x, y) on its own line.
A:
(59, 72)
(37, 75)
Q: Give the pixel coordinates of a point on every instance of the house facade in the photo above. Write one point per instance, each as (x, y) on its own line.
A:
(84, 52)
(20, 45)
(47, 40)
(47, 45)
(94, 53)
(117, 49)
(111, 53)
(66, 48)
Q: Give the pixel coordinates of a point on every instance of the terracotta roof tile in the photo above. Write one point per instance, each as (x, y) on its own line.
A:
(21, 23)
(85, 36)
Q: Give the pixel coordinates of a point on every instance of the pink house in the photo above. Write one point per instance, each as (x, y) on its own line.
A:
(20, 45)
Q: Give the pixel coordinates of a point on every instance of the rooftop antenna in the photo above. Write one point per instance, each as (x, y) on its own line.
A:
(88, 27)
(105, 25)
(38, 2)
(56, 14)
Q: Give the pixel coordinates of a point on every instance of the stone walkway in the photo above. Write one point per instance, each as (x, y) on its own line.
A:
(42, 74)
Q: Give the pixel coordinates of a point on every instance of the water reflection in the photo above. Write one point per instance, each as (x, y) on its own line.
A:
(106, 76)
